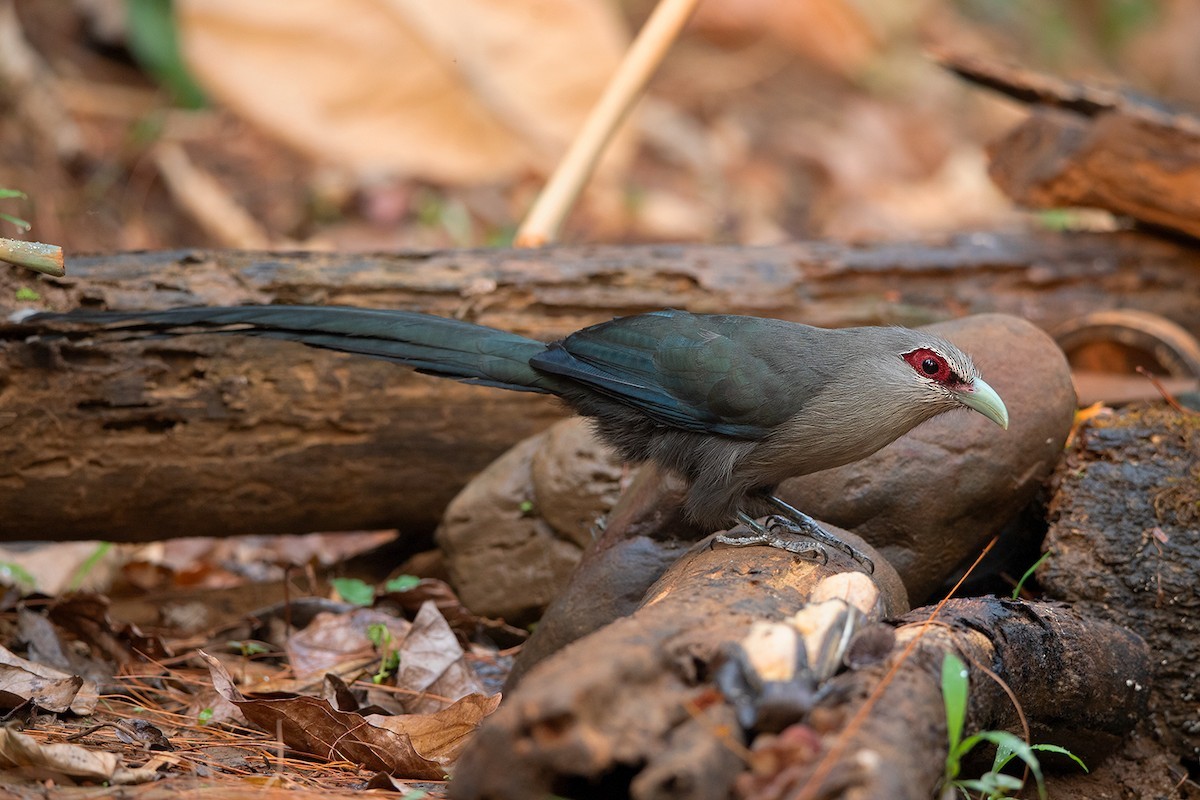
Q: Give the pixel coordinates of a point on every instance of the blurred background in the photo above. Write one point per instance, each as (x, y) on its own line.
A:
(367, 125)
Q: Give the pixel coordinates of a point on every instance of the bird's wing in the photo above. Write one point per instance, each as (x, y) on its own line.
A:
(716, 374)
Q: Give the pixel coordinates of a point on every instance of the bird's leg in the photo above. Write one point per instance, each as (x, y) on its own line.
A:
(761, 535)
(798, 522)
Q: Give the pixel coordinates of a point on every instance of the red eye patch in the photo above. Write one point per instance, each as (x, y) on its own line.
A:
(929, 364)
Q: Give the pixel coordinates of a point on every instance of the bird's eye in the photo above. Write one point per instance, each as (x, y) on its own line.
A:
(930, 364)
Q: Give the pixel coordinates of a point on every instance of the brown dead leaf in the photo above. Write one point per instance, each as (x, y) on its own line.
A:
(431, 662)
(86, 615)
(18, 687)
(419, 749)
(461, 619)
(47, 687)
(459, 91)
(832, 33)
(53, 760)
(333, 639)
(441, 735)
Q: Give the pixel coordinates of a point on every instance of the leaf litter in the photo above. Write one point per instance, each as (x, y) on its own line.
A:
(339, 697)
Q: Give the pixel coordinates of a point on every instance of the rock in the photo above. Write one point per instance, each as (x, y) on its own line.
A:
(576, 480)
(937, 495)
(1125, 541)
(514, 534)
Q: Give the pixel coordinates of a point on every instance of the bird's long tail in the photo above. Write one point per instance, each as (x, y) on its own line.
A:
(435, 345)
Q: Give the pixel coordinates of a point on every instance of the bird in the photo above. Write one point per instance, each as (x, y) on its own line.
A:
(733, 404)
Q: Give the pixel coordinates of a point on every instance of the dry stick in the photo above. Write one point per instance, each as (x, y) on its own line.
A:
(556, 199)
(1166, 395)
(29, 80)
(203, 198)
(827, 762)
(39, 257)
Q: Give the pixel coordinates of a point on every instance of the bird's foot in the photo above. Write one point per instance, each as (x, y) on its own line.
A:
(798, 522)
(767, 536)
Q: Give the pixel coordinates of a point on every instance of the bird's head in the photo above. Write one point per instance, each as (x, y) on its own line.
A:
(946, 375)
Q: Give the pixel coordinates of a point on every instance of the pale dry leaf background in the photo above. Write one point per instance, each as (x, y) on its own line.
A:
(453, 92)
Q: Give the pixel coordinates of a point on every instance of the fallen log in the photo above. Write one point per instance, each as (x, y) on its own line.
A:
(616, 703)
(220, 435)
(1124, 540)
(1080, 683)
(632, 708)
(1093, 146)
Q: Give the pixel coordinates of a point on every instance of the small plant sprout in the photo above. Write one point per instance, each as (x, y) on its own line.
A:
(7, 194)
(354, 591)
(402, 583)
(248, 647)
(994, 784)
(1016, 592)
(389, 657)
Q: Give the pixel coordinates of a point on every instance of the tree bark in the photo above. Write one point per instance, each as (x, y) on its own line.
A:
(632, 708)
(1125, 537)
(1092, 146)
(215, 435)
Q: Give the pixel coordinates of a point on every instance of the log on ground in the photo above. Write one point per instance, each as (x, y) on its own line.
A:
(632, 708)
(1093, 146)
(1125, 541)
(220, 435)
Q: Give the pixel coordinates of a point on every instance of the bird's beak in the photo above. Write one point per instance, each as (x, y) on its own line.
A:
(983, 398)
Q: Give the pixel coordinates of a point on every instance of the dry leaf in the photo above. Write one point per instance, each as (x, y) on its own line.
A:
(458, 91)
(49, 688)
(55, 759)
(333, 639)
(832, 33)
(443, 735)
(419, 748)
(431, 662)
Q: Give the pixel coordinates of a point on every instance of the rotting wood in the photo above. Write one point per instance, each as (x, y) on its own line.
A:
(1081, 683)
(609, 714)
(617, 702)
(1093, 146)
(1125, 538)
(223, 435)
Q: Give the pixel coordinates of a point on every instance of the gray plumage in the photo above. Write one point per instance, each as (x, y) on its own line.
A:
(734, 404)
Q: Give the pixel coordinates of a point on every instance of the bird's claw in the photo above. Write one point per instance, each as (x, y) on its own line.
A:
(794, 523)
(818, 535)
(804, 548)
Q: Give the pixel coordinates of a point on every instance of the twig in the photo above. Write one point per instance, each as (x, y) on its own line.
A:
(811, 788)
(206, 201)
(1171, 401)
(39, 257)
(656, 36)
(29, 80)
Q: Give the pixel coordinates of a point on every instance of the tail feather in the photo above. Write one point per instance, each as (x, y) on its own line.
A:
(434, 345)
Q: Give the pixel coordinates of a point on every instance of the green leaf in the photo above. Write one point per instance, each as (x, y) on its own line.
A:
(89, 564)
(1053, 748)
(954, 695)
(379, 635)
(247, 647)
(27, 295)
(353, 590)
(402, 583)
(11, 573)
(1008, 746)
(20, 223)
(205, 716)
(154, 41)
(1016, 592)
